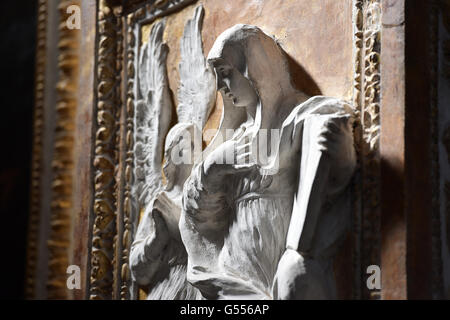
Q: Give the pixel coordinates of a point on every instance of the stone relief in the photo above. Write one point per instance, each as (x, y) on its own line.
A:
(244, 218)
(158, 257)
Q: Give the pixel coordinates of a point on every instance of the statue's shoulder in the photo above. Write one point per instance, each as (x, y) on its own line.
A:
(318, 105)
(323, 105)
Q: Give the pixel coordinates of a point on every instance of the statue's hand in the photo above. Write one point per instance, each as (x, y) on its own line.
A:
(231, 157)
(336, 140)
(335, 134)
(147, 250)
(298, 278)
(290, 141)
(158, 237)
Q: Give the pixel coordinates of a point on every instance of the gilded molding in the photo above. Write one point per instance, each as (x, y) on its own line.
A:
(114, 220)
(155, 8)
(106, 154)
(356, 184)
(127, 216)
(370, 119)
(36, 164)
(62, 164)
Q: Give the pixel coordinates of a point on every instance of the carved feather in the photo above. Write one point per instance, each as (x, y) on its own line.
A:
(153, 114)
(197, 90)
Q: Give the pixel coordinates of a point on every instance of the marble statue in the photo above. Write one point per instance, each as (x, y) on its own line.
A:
(158, 258)
(267, 227)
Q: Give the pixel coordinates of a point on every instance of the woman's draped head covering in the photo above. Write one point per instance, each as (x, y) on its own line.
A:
(257, 56)
(260, 59)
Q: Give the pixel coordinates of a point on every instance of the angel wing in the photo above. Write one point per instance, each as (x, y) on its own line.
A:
(153, 115)
(197, 90)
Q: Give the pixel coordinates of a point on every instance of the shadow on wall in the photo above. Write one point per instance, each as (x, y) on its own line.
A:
(343, 265)
(302, 80)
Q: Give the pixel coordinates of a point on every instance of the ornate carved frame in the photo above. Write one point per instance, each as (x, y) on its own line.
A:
(366, 99)
(58, 241)
(118, 44)
(36, 164)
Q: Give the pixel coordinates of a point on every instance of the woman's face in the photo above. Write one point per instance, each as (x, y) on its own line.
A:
(232, 84)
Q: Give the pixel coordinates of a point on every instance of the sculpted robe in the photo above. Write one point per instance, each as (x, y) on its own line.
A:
(235, 232)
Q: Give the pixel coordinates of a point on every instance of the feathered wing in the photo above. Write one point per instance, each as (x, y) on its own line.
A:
(197, 90)
(153, 114)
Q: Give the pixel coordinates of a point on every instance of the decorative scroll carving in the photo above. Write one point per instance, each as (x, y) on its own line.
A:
(358, 25)
(156, 8)
(36, 165)
(106, 153)
(128, 209)
(366, 97)
(62, 164)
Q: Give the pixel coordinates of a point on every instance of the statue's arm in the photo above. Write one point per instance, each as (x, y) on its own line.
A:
(147, 250)
(203, 221)
(327, 164)
(207, 190)
(205, 202)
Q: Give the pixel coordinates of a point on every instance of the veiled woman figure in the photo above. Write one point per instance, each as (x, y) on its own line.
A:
(238, 221)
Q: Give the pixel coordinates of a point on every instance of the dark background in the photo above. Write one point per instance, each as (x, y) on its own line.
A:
(17, 52)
